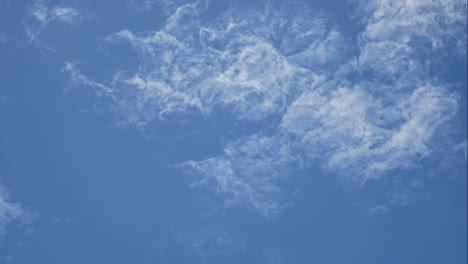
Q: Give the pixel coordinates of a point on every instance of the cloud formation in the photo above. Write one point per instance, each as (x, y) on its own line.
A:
(360, 136)
(252, 171)
(11, 213)
(190, 64)
(361, 108)
(41, 15)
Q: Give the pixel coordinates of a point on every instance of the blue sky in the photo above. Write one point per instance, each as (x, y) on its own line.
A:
(139, 131)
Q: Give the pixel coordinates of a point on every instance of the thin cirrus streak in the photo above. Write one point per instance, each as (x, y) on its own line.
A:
(361, 113)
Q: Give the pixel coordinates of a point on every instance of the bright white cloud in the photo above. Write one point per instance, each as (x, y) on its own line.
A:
(400, 35)
(440, 21)
(350, 128)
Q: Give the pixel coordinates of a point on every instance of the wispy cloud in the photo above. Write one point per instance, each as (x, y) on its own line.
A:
(42, 14)
(77, 78)
(361, 138)
(378, 210)
(12, 213)
(253, 172)
(203, 66)
(415, 24)
(462, 147)
(362, 108)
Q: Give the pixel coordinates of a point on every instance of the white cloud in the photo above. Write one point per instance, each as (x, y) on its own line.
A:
(11, 213)
(233, 62)
(404, 20)
(64, 14)
(362, 112)
(462, 146)
(399, 35)
(349, 128)
(252, 171)
(41, 14)
(378, 210)
(77, 78)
